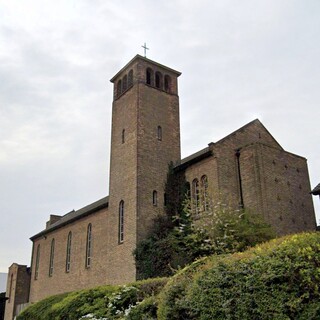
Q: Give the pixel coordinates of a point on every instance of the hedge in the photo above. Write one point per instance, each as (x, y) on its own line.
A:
(105, 302)
(276, 280)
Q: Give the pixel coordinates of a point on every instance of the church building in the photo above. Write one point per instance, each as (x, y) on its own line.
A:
(93, 246)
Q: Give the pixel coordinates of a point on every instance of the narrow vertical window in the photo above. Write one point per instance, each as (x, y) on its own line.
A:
(68, 257)
(165, 199)
(121, 221)
(89, 246)
(124, 83)
(204, 192)
(195, 195)
(159, 133)
(167, 83)
(158, 80)
(123, 135)
(149, 77)
(51, 258)
(155, 198)
(130, 79)
(36, 271)
(119, 88)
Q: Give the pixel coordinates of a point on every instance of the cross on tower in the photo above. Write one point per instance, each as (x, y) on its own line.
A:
(145, 49)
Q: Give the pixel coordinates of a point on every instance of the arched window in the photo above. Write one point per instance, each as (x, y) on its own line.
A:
(119, 88)
(51, 258)
(204, 192)
(195, 195)
(158, 80)
(130, 79)
(121, 222)
(68, 257)
(149, 77)
(167, 83)
(159, 133)
(89, 246)
(123, 136)
(155, 198)
(124, 83)
(36, 271)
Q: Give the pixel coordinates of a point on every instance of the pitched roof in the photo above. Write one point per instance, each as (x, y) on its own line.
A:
(316, 190)
(74, 215)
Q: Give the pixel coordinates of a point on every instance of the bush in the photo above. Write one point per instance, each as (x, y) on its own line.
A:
(107, 302)
(276, 280)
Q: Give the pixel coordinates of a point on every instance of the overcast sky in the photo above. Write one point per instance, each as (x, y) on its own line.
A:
(240, 60)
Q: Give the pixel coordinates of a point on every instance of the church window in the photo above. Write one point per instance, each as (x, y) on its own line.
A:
(195, 195)
(123, 135)
(36, 271)
(68, 257)
(165, 199)
(121, 221)
(149, 77)
(124, 83)
(167, 83)
(158, 80)
(155, 198)
(119, 88)
(204, 190)
(51, 258)
(89, 246)
(130, 79)
(159, 133)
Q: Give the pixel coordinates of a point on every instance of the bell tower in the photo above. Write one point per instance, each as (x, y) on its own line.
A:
(145, 138)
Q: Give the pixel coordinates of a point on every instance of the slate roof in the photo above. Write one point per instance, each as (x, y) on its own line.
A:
(75, 215)
(316, 190)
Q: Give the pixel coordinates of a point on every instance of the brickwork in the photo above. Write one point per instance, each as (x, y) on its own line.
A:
(263, 178)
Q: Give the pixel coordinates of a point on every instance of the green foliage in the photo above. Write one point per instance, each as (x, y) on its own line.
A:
(276, 280)
(107, 302)
(189, 231)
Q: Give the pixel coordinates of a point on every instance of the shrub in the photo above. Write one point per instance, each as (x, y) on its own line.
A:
(106, 302)
(276, 280)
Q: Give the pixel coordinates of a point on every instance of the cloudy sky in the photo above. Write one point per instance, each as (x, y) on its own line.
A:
(240, 60)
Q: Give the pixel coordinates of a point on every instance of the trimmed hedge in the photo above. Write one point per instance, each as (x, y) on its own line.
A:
(277, 280)
(106, 302)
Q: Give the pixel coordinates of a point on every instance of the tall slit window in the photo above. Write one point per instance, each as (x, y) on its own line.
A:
(155, 198)
(149, 77)
(130, 79)
(159, 133)
(119, 88)
(125, 83)
(36, 271)
(121, 222)
(51, 258)
(195, 195)
(204, 192)
(158, 80)
(68, 257)
(123, 135)
(89, 246)
(167, 83)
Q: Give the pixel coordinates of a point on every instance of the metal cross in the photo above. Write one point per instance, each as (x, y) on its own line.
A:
(145, 49)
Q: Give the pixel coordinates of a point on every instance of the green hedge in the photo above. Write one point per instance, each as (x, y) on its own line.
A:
(277, 280)
(106, 302)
